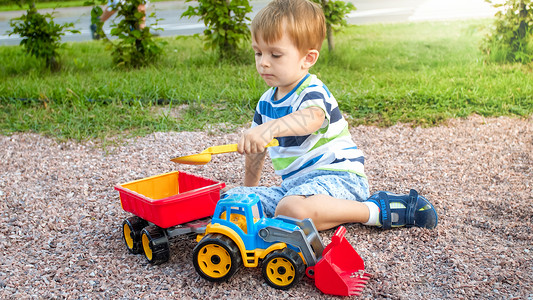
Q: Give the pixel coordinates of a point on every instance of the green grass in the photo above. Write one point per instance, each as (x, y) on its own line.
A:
(419, 73)
(425, 73)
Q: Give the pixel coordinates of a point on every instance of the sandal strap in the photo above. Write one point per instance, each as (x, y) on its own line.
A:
(384, 206)
(412, 200)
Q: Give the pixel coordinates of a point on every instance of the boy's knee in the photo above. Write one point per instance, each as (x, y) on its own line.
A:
(293, 207)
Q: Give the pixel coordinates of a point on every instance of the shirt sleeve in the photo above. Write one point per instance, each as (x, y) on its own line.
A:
(258, 120)
(315, 98)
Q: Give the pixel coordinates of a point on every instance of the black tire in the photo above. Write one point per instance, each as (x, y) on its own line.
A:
(216, 258)
(155, 245)
(282, 269)
(131, 233)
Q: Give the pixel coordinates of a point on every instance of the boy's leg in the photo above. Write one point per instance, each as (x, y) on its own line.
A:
(329, 198)
(106, 14)
(325, 211)
(109, 10)
(142, 9)
(334, 198)
(383, 209)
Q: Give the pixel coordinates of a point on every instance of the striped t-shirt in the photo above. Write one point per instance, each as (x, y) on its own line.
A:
(329, 148)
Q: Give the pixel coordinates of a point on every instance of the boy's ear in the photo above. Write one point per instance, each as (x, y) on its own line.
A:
(310, 58)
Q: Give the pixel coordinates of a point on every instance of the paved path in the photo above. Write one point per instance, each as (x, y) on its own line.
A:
(368, 11)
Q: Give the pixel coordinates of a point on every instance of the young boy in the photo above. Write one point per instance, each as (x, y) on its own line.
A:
(321, 167)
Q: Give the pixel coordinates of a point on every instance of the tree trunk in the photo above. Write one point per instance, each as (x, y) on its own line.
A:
(52, 63)
(329, 30)
(329, 34)
(522, 29)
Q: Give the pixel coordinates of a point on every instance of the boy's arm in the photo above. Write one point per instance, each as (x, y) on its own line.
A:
(298, 123)
(253, 168)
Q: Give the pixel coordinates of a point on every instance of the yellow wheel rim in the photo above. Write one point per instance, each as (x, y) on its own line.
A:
(280, 271)
(146, 247)
(214, 260)
(127, 236)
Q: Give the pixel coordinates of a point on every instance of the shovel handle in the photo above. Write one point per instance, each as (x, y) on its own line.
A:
(273, 143)
(232, 148)
(221, 149)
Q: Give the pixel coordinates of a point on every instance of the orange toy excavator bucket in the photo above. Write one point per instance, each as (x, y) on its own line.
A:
(341, 271)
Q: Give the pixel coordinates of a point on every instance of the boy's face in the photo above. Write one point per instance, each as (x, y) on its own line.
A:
(280, 63)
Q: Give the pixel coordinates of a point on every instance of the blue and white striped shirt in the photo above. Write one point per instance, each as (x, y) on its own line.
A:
(329, 148)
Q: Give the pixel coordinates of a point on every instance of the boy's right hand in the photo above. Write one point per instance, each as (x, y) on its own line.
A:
(254, 140)
(298, 123)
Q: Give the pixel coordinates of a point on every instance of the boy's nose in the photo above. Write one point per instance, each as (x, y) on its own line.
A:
(264, 62)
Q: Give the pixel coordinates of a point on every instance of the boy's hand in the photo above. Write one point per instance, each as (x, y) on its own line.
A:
(302, 122)
(255, 139)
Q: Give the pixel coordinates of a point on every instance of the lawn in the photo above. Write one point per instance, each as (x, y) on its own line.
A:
(419, 73)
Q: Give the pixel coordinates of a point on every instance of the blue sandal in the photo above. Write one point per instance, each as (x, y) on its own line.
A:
(404, 210)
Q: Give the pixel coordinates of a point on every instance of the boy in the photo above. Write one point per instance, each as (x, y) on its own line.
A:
(321, 167)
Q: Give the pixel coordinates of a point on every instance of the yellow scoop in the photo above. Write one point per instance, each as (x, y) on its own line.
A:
(204, 157)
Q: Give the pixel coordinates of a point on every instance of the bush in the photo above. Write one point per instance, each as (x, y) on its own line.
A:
(41, 37)
(225, 22)
(136, 46)
(511, 39)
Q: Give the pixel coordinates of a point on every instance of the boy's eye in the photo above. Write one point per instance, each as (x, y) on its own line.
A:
(276, 55)
(257, 53)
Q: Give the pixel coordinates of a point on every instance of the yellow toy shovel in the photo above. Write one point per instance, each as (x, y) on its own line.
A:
(204, 157)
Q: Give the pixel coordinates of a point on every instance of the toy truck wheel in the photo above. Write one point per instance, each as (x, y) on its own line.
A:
(131, 233)
(155, 245)
(216, 258)
(283, 268)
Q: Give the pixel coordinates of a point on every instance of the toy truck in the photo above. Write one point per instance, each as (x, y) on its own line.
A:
(238, 234)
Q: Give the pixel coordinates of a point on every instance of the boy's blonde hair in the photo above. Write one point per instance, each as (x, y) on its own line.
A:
(303, 20)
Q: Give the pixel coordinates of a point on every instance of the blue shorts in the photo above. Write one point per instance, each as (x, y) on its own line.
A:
(341, 185)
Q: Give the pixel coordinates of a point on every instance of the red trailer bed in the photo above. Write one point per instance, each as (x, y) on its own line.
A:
(170, 199)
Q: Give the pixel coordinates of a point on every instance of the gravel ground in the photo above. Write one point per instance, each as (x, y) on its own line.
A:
(60, 218)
